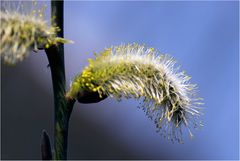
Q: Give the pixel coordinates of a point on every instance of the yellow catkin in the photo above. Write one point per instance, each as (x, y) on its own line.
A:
(135, 71)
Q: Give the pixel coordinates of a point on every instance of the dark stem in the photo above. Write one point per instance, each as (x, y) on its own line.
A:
(62, 105)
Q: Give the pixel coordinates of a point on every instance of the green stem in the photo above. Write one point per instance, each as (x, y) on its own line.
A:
(62, 105)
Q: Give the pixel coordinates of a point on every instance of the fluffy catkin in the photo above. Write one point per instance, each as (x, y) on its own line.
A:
(23, 31)
(134, 71)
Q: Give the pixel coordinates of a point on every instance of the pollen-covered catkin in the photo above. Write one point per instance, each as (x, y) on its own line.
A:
(135, 71)
(22, 33)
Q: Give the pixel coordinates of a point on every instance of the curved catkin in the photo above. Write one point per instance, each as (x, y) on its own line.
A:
(134, 71)
(22, 31)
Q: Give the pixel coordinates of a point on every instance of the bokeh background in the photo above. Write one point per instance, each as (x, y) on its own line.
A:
(202, 36)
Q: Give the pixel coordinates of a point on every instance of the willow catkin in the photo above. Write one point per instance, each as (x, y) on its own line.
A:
(134, 71)
(23, 31)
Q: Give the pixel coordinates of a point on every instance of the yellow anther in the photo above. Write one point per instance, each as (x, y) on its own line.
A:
(151, 49)
(47, 46)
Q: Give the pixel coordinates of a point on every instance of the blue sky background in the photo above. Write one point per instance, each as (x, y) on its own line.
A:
(203, 38)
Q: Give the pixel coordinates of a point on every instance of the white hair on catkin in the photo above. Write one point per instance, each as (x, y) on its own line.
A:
(134, 71)
(23, 29)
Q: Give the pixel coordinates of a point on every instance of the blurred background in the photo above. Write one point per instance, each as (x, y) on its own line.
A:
(202, 36)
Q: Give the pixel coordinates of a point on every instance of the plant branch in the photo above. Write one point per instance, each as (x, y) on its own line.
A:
(62, 105)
